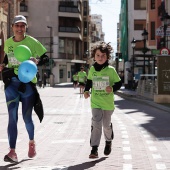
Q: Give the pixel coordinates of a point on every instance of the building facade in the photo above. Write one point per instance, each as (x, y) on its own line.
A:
(62, 27)
(8, 9)
(140, 20)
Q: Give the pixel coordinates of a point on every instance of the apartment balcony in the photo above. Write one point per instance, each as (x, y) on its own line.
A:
(68, 56)
(71, 32)
(71, 12)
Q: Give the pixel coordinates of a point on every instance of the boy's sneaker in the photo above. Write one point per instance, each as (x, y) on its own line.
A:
(94, 152)
(31, 152)
(108, 148)
(11, 157)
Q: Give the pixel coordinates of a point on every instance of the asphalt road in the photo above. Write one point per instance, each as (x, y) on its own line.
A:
(141, 141)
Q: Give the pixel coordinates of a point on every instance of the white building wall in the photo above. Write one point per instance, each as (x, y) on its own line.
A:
(55, 71)
(132, 15)
(42, 17)
(97, 20)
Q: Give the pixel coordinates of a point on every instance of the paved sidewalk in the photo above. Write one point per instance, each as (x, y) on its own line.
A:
(133, 96)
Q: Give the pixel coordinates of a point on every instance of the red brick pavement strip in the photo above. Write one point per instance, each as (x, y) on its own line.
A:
(63, 138)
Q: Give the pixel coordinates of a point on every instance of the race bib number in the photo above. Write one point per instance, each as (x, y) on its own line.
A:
(100, 83)
(81, 79)
(12, 60)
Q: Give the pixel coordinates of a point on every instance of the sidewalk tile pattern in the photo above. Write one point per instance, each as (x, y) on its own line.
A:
(62, 139)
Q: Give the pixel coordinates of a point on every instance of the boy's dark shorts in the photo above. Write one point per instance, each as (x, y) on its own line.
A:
(81, 84)
(75, 82)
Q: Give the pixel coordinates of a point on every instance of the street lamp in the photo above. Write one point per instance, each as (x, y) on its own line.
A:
(51, 29)
(133, 44)
(145, 49)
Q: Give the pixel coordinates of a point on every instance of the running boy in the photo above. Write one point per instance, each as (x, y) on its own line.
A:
(103, 80)
(75, 80)
(82, 76)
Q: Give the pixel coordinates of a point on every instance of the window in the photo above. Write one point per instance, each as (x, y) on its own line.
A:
(61, 46)
(140, 4)
(85, 12)
(77, 48)
(152, 4)
(70, 46)
(152, 31)
(61, 73)
(85, 29)
(139, 24)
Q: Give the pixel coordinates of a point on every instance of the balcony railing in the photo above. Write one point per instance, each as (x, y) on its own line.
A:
(69, 29)
(69, 9)
(68, 56)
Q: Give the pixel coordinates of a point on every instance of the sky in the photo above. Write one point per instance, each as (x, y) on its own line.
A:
(110, 10)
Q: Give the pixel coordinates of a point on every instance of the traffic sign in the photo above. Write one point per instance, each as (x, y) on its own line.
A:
(164, 51)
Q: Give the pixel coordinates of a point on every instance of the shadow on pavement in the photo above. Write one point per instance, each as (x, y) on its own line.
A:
(86, 165)
(156, 122)
(10, 165)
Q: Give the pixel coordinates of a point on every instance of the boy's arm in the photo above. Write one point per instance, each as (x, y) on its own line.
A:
(87, 88)
(88, 85)
(117, 86)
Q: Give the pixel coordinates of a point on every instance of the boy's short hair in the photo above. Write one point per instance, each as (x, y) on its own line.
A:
(103, 47)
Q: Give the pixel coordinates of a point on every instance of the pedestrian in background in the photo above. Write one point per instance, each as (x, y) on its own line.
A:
(103, 81)
(17, 91)
(82, 77)
(39, 83)
(130, 80)
(75, 80)
(45, 79)
(121, 75)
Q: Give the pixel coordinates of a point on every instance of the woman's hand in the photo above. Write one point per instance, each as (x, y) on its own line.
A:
(2, 67)
(109, 89)
(86, 94)
(34, 60)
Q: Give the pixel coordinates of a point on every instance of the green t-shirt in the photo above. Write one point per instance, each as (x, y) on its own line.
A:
(75, 77)
(37, 49)
(82, 75)
(100, 80)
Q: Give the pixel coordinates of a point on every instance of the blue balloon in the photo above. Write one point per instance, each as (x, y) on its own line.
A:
(27, 71)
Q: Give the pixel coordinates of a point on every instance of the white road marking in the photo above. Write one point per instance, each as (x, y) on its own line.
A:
(126, 148)
(125, 142)
(160, 166)
(125, 136)
(149, 141)
(69, 141)
(127, 156)
(45, 168)
(152, 148)
(156, 156)
(127, 166)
